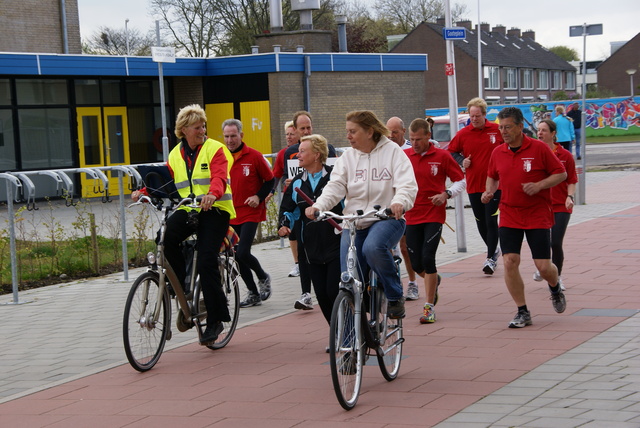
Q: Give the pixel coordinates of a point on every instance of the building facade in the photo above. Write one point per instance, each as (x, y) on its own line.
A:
(514, 67)
(620, 73)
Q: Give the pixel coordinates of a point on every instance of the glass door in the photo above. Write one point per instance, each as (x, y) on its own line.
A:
(103, 140)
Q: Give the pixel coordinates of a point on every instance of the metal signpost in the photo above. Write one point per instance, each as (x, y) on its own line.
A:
(160, 55)
(584, 30)
(450, 34)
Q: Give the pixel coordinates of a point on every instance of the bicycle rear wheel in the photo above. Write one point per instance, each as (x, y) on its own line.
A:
(143, 335)
(345, 355)
(389, 351)
(230, 274)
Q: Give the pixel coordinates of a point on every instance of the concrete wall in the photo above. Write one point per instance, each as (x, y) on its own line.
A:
(36, 26)
(313, 41)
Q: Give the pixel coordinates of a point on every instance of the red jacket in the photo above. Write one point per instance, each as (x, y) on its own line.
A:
(249, 173)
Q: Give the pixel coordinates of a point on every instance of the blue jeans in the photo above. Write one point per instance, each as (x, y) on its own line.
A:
(578, 135)
(374, 250)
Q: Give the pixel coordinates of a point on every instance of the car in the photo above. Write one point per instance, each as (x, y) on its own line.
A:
(441, 130)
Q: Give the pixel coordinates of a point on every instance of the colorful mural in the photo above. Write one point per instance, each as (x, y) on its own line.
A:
(604, 117)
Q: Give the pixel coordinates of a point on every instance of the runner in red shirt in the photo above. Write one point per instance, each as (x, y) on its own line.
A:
(431, 167)
(525, 170)
(561, 195)
(252, 181)
(472, 147)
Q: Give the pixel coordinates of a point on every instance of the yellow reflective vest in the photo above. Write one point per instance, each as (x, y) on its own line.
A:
(205, 165)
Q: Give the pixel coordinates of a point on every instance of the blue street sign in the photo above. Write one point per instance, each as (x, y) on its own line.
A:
(454, 33)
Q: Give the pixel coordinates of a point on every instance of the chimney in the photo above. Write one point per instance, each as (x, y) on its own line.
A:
(440, 21)
(529, 34)
(500, 29)
(341, 20)
(275, 15)
(485, 27)
(514, 32)
(466, 24)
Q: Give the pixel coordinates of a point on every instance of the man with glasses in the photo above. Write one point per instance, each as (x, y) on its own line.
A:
(472, 147)
(525, 169)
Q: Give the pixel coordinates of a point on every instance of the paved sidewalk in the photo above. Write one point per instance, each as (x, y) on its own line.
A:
(63, 364)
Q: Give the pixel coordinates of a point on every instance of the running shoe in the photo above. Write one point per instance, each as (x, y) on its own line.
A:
(537, 276)
(522, 319)
(295, 271)
(413, 292)
(305, 302)
(428, 315)
(489, 266)
(252, 299)
(559, 302)
(264, 285)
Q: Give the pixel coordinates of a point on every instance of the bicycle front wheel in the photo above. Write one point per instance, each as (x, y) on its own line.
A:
(145, 333)
(230, 274)
(389, 351)
(345, 352)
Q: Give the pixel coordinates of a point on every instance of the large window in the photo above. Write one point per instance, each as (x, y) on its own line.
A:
(543, 79)
(7, 146)
(5, 92)
(45, 138)
(41, 92)
(571, 80)
(510, 81)
(527, 79)
(492, 77)
(557, 80)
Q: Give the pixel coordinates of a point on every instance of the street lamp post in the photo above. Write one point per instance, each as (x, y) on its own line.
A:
(631, 72)
(126, 33)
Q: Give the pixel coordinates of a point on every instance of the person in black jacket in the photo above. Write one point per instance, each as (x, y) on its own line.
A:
(318, 242)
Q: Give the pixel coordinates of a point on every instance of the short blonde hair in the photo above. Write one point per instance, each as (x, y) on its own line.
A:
(288, 124)
(318, 145)
(477, 102)
(560, 109)
(187, 116)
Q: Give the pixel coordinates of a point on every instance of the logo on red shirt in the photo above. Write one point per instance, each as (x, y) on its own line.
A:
(526, 165)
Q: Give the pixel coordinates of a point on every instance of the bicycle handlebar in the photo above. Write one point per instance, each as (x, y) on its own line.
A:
(383, 214)
(189, 202)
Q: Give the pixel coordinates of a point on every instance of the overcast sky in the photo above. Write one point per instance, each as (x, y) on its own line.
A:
(550, 19)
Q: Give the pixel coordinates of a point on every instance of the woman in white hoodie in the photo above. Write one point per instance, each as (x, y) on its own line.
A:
(375, 171)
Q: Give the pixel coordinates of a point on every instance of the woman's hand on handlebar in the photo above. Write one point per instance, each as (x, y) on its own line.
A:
(397, 210)
(207, 202)
(311, 213)
(135, 195)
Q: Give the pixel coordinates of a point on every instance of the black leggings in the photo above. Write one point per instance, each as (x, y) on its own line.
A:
(486, 216)
(247, 262)
(326, 279)
(557, 237)
(212, 228)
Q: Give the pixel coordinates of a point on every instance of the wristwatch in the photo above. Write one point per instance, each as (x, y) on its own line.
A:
(449, 194)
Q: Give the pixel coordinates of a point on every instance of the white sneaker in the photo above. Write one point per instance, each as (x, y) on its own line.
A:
(536, 276)
(305, 302)
(489, 266)
(562, 287)
(413, 292)
(295, 271)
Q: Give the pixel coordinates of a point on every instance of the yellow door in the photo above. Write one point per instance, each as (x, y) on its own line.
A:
(216, 114)
(103, 140)
(256, 123)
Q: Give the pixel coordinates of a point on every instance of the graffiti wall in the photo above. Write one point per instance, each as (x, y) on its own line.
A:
(604, 117)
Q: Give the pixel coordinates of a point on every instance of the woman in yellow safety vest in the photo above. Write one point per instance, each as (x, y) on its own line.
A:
(200, 166)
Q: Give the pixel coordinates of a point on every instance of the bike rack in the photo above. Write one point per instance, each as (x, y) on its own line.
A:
(11, 179)
(97, 174)
(64, 185)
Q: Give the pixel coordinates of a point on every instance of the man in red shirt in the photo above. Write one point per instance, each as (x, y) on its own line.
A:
(525, 170)
(431, 167)
(472, 147)
(251, 182)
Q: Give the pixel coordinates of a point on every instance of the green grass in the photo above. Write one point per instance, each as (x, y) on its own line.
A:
(614, 139)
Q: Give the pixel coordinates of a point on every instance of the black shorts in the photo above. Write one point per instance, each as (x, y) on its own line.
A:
(293, 236)
(539, 241)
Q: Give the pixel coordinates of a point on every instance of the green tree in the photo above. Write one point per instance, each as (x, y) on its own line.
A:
(565, 52)
(112, 41)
